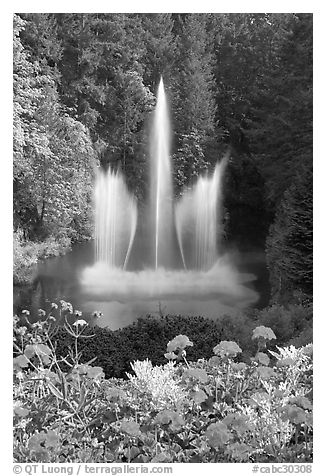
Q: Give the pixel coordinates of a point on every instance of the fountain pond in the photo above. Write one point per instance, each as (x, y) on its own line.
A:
(165, 261)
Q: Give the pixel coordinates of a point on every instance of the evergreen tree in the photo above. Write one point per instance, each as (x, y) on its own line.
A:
(159, 58)
(281, 127)
(289, 245)
(195, 114)
(102, 82)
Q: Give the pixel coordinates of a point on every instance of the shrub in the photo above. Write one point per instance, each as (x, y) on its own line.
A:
(146, 337)
(288, 322)
(27, 253)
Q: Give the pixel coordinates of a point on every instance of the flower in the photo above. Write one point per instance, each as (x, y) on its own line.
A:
(20, 362)
(195, 374)
(265, 372)
(262, 358)
(238, 366)
(37, 325)
(114, 393)
(66, 306)
(21, 411)
(169, 417)
(238, 422)
(294, 414)
(170, 355)
(80, 322)
(217, 434)
(180, 342)
(21, 330)
(259, 399)
(97, 314)
(214, 361)
(263, 332)
(199, 396)
(49, 440)
(307, 349)
(77, 313)
(20, 375)
(54, 305)
(41, 313)
(239, 451)
(95, 372)
(227, 349)
(89, 371)
(130, 427)
(26, 312)
(302, 402)
(287, 362)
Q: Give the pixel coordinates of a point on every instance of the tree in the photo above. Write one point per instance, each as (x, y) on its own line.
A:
(102, 83)
(281, 126)
(53, 154)
(195, 113)
(289, 245)
(244, 45)
(160, 48)
(28, 139)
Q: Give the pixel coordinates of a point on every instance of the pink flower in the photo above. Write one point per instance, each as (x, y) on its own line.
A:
(217, 435)
(227, 349)
(180, 342)
(263, 332)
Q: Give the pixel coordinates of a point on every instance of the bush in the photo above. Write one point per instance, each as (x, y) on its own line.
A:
(27, 253)
(288, 322)
(146, 337)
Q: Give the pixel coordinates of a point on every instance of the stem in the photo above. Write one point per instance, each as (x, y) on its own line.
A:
(76, 350)
(184, 358)
(227, 375)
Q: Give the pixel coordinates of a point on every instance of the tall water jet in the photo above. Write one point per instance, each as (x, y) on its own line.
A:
(115, 219)
(204, 281)
(161, 183)
(198, 222)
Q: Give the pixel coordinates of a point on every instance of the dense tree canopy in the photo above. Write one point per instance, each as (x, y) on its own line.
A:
(84, 87)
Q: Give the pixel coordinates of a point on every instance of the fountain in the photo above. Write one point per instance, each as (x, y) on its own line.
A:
(161, 182)
(198, 223)
(189, 228)
(115, 219)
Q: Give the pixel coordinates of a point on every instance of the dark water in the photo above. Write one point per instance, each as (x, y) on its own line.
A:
(60, 278)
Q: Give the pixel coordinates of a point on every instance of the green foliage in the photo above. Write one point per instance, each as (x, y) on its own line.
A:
(289, 244)
(194, 109)
(244, 201)
(102, 82)
(215, 410)
(281, 127)
(53, 155)
(146, 337)
(27, 253)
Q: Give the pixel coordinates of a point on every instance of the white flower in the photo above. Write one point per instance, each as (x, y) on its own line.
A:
(80, 322)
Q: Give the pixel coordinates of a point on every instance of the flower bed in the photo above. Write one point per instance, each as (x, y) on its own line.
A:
(213, 410)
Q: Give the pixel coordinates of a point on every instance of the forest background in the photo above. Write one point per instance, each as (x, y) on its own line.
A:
(84, 88)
